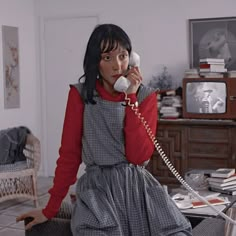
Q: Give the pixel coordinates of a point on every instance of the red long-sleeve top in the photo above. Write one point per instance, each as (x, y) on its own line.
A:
(71, 143)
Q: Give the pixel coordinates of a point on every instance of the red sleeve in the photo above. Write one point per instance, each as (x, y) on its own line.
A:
(69, 153)
(139, 147)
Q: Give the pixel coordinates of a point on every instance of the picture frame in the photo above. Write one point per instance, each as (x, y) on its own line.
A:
(11, 72)
(213, 38)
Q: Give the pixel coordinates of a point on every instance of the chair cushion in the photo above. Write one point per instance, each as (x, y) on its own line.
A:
(210, 227)
(55, 226)
(20, 165)
(12, 143)
(58, 226)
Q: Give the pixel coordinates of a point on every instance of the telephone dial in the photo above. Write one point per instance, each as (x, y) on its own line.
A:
(122, 85)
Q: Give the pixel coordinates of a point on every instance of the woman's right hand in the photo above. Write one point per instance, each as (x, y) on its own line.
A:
(135, 78)
(37, 215)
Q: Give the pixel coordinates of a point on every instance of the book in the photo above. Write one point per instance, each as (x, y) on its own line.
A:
(213, 201)
(212, 63)
(219, 70)
(222, 184)
(208, 194)
(231, 187)
(212, 60)
(232, 74)
(222, 180)
(223, 191)
(223, 172)
(204, 211)
(191, 76)
(170, 114)
(211, 75)
(168, 109)
(212, 66)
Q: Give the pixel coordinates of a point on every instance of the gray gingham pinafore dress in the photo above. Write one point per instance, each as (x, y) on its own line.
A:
(115, 198)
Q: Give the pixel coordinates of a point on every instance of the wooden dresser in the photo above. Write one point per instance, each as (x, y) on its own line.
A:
(193, 144)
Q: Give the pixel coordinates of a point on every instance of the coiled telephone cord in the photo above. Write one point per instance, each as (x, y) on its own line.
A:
(168, 162)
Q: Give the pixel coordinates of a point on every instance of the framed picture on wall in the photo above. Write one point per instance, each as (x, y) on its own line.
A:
(11, 74)
(213, 38)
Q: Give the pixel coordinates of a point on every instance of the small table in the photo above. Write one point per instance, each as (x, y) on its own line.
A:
(196, 215)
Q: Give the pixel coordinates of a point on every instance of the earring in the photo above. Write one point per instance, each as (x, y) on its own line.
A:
(98, 77)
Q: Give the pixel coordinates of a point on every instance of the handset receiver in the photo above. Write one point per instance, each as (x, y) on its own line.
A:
(134, 59)
(122, 83)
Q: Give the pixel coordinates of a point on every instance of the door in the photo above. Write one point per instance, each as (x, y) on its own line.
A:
(65, 41)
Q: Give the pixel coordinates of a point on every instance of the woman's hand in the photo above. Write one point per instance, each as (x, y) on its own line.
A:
(135, 78)
(37, 215)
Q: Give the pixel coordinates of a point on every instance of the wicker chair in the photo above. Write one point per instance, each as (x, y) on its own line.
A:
(19, 179)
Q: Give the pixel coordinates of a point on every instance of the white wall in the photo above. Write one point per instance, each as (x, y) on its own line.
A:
(158, 28)
(21, 14)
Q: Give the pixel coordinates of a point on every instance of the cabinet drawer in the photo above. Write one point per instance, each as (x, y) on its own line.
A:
(208, 134)
(219, 150)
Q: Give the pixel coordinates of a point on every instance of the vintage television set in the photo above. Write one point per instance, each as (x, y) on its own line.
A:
(209, 98)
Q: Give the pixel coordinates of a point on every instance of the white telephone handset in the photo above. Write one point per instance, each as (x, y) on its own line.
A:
(123, 83)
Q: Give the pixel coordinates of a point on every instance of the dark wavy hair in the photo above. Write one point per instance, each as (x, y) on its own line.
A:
(104, 38)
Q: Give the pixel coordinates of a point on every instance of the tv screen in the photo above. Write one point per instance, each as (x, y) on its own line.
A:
(206, 97)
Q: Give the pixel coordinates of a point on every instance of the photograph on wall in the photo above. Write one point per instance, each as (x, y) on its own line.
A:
(11, 74)
(213, 38)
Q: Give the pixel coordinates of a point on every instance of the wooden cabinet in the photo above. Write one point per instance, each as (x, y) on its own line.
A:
(193, 144)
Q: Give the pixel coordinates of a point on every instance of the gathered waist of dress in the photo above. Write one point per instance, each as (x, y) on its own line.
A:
(118, 165)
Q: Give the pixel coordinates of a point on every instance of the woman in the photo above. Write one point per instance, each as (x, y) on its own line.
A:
(116, 195)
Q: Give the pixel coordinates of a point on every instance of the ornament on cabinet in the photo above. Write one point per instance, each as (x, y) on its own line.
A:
(162, 81)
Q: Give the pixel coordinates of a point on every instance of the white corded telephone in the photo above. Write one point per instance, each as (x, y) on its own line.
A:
(121, 85)
(122, 82)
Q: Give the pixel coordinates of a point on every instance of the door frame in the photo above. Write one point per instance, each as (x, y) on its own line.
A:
(42, 78)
